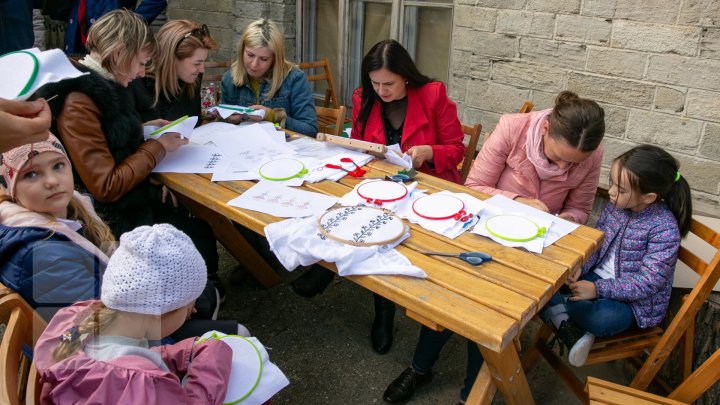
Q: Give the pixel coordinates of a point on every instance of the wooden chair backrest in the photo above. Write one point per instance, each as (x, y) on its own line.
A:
(470, 150)
(320, 71)
(22, 329)
(331, 120)
(688, 391)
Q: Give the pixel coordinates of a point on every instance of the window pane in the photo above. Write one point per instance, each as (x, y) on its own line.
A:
(326, 39)
(376, 25)
(429, 29)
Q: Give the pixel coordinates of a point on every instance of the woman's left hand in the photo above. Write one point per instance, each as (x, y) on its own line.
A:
(420, 154)
(583, 290)
(159, 122)
(267, 110)
(566, 217)
(165, 193)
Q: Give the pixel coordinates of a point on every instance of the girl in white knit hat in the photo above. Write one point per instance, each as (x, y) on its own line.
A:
(98, 351)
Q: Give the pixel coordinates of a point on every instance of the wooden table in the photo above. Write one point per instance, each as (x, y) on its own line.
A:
(488, 304)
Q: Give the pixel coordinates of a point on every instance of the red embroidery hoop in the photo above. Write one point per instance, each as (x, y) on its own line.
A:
(456, 207)
(371, 191)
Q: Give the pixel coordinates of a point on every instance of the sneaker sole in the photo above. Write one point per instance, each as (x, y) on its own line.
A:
(579, 353)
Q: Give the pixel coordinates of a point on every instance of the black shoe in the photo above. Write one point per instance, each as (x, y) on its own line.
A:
(313, 282)
(577, 341)
(218, 286)
(403, 387)
(381, 335)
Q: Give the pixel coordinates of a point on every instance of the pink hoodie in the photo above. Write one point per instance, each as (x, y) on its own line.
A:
(502, 167)
(131, 379)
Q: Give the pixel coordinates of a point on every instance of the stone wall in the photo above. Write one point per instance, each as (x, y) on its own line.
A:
(654, 66)
(226, 20)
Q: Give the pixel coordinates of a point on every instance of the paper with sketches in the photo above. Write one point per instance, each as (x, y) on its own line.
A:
(52, 66)
(556, 226)
(190, 159)
(305, 146)
(184, 126)
(395, 156)
(226, 110)
(282, 201)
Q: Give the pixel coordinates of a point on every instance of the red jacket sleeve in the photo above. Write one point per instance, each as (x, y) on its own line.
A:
(449, 149)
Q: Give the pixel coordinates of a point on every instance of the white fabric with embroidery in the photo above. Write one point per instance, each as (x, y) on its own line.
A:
(450, 228)
(298, 242)
(353, 198)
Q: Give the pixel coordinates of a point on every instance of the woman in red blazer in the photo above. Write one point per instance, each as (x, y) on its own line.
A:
(398, 104)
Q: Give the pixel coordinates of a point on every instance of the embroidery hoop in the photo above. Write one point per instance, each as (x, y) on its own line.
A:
(382, 191)
(282, 169)
(519, 229)
(337, 224)
(242, 349)
(440, 207)
(19, 70)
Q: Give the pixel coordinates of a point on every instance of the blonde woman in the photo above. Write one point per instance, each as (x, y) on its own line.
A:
(171, 88)
(261, 78)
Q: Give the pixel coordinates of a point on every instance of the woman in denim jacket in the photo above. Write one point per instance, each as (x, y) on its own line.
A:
(255, 80)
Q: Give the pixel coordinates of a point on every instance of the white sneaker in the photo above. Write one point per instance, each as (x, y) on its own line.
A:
(579, 351)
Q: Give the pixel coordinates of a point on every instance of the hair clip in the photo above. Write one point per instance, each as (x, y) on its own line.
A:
(70, 335)
(677, 176)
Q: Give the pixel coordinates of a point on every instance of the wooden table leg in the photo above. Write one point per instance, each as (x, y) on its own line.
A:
(483, 389)
(235, 243)
(507, 374)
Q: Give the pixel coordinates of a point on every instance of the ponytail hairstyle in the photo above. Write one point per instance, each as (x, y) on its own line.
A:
(388, 54)
(177, 40)
(651, 169)
(97, 318)
(579, 122)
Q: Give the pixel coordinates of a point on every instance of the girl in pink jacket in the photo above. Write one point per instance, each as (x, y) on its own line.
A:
(98, 351)
(548, 159)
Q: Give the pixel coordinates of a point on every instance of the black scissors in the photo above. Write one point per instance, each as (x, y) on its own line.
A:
(474, 258)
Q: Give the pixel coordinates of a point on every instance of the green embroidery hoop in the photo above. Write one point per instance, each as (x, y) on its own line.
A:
(274, 170)
(15, 64)
(533, 230)
(257, 379)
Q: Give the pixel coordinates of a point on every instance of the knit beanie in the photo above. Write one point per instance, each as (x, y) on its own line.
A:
(12, 161)
(155, 270)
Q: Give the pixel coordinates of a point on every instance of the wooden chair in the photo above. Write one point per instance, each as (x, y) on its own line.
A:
(656, 342)
(325, 74)
(526, 107)
(23, 326)
(214, 70)
(331, 120)
(470, 150)
(604, 392)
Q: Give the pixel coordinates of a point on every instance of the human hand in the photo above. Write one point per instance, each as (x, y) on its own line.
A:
(159, 122)
(267, 111)
(583, 290)
(165, 193)
(234, 119)
(171, 141)
(533, 203)
(420, 154)
(566, 217)
(23, 122)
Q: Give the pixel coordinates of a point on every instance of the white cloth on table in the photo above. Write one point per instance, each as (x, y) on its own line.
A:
(352, 198)
(534, 245)
(320, 172)
(450, 228)
(298, 242)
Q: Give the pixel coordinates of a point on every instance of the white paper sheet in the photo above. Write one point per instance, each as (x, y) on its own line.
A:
(190, 159)
(53, 66)
(282, 201)
(305, 146)
(226, 110)
(184, 128)
(207, 133)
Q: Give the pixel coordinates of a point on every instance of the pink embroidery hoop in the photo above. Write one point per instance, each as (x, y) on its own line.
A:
(382, 191)
(440, 207)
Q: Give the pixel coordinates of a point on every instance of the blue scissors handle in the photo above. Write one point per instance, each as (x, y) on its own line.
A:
(474, 258)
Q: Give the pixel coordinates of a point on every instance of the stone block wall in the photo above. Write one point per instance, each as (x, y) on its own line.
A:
(654, 66)
(226, 20)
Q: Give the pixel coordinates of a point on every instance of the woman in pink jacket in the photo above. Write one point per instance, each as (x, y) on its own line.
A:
(548, 159)
(99, 352)
(397, 104)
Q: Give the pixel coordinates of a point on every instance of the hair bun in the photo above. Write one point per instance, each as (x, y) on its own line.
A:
(565, 96)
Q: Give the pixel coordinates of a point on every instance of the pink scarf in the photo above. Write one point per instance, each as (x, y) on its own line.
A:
(535, 153)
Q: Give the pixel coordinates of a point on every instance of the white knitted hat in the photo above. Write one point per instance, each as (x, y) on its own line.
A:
(155, 270)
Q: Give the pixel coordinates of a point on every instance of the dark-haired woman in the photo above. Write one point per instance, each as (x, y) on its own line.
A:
(396, 104)
(548, 159)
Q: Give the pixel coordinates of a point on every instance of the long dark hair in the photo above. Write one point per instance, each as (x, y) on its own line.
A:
(652, 170)
(388, 54)
(578, 121)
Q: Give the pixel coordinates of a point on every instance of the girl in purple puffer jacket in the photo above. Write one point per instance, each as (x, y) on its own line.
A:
(627, 283)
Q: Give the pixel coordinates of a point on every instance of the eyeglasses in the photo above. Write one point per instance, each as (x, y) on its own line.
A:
(199, 33)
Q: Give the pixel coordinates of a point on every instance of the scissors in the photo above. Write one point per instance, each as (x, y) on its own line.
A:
(474, 258)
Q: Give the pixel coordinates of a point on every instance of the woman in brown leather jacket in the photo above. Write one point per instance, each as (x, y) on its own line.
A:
(95, 117)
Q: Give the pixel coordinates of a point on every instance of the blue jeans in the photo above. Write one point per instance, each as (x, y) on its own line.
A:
(601, 316)
(428, 350)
